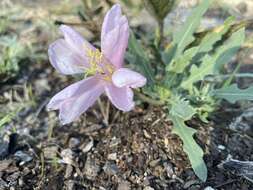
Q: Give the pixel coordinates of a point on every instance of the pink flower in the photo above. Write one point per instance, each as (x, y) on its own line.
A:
(74, 54)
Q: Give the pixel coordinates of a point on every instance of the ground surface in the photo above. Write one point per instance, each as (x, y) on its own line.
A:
(132, 151)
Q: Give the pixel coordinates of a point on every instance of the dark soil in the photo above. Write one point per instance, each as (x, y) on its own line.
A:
(134, 151)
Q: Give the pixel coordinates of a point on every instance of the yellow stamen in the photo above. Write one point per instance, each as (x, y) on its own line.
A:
(98, 64)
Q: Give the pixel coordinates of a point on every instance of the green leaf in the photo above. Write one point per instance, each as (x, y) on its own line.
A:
(191, 148)
(210, 62)
(184, 36)
(229, 49)
(206, 45)
(232, 93)
(212, 37)
(139, 58)
(179, 65)
(198, 73)
(182, 109)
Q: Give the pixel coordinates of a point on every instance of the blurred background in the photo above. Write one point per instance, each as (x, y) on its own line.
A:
(37, 153)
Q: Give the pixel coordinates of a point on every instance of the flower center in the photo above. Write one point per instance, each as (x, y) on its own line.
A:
(99, 64)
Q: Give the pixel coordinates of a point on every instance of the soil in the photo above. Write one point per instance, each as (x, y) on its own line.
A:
(134, 150)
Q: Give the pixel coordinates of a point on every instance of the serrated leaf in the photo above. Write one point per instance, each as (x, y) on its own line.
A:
(184, 36)
(232, 93)
(229, 49)
(220, 57)
(191, 148)
(198, 73)
(211, 38)
(182, 109)
(183, 61)
(139, 58)
(193, 54)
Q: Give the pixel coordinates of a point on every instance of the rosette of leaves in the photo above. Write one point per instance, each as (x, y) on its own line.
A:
(191, 64)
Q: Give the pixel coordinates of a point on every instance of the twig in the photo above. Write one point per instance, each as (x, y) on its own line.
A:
(103, 111)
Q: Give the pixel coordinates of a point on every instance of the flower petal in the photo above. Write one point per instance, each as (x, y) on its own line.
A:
(76, 41)
(114, 36)
(71, 91)
(126, 77)
(121, 98)
(76, 99)
(64, 59)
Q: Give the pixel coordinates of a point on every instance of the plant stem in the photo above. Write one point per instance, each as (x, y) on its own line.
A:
(149, 100)
(161, 34)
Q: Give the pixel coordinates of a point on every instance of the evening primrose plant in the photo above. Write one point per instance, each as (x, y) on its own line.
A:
(179, 75)
(184, 70)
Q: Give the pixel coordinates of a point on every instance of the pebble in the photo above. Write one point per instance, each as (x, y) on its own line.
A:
(91, 169)
(112, 156)
(114, 142)
(67, 156)
(74, 142)
(110, 168)
(146, 134)
(24, 157)
(208, 188)
(88, 146)
(124, 185)
(148, 188)
(221, 147)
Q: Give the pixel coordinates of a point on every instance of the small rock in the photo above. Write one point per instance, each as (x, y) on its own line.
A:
(110, 168)
(146, 134)
(91, 169)
(24, 157)
(88, 146)
(67, 156)
(21, 182)
(148, 188)
(209, 188)
(124, 185)
(169, 169)
(221, 147)
(74, 142)
(112, 156)
(114, 142)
